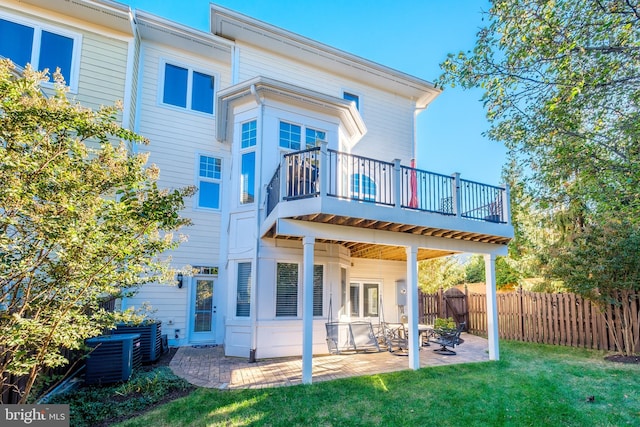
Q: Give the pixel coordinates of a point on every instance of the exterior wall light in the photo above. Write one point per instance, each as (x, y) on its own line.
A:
(179, 277)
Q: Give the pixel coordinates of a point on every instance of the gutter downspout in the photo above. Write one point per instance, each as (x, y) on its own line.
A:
(254, 290)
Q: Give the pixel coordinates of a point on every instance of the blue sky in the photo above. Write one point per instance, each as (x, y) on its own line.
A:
(413, 36)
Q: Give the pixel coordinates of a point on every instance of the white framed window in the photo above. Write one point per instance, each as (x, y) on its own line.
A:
(187, 88)
(26, 42)
(209, 181)
(350, 96)
(248, 139)
(291, 136)
(314, 137)
(286, 289)
(318, 290)
(363, 187)
(364, 299)
(243, 296)
(287, 285)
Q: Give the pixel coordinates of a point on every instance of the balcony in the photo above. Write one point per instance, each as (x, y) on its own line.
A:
(331, 187)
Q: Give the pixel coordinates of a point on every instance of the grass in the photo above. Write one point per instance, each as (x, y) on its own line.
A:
(532, 385)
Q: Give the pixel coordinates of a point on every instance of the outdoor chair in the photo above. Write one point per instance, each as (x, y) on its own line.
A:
(447, 340)
(396, 338)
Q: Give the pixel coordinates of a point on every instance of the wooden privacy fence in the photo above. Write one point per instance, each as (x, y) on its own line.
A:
(560, 319)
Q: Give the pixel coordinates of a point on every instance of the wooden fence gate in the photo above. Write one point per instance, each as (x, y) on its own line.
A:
(450, 303)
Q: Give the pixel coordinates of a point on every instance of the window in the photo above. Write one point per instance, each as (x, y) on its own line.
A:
(40, 47)
(287, 290)
(243, 298)
(365, 299)
(351, 97)
(290, 135)
(354, 298)
(313, 137)
(186, 88)
(363, 187)
(370, 300)
(248, 162)
(209, 174)
(249, 134)
(317, 289)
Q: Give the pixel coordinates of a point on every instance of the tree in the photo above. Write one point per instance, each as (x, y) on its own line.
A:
(602, 262)
(444, 272)
(561, 83)
(506, 276)
(82, 218)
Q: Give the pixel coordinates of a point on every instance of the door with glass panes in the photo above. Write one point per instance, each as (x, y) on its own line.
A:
(203, 310)
(364, 299)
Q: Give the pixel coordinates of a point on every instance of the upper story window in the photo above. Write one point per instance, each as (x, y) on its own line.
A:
(291, 136)
(42, 47)
(313, 137)
(187, 88)
(363, 187)
(249, 134)
(248, 140)
(352, 97)
(209, 176)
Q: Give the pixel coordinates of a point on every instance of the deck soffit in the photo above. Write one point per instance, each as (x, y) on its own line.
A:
(384, 240)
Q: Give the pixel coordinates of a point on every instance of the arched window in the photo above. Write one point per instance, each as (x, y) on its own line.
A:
(363, 188)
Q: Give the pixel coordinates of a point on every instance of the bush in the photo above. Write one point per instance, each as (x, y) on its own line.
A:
(93, 405)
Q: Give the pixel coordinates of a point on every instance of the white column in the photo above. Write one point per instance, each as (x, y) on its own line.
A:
(412, 306)
(307, 309)
(492, 306)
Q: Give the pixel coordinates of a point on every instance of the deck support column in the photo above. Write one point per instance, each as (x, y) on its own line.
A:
(492, 306)
(308, 244)
(412, 306)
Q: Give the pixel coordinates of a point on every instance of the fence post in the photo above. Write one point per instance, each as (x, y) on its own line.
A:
(397, 184)
(457, 197)
(324, 169)
(520, 313)
(441, 305)
(467, 316)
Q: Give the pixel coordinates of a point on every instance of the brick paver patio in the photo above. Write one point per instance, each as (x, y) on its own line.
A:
(209, 367)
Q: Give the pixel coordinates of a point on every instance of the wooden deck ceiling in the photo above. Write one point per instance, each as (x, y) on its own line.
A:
(385, 252)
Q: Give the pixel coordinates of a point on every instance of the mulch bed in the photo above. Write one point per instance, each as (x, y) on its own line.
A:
(173, 395)
(619, 358)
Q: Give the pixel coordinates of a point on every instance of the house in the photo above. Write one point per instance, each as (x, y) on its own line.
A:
(308, 205)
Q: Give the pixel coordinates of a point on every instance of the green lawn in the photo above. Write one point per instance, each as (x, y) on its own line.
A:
(534, 385)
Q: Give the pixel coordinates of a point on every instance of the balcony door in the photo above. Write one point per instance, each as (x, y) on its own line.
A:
(203, 310)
